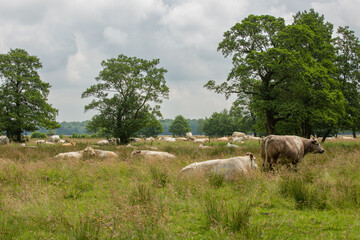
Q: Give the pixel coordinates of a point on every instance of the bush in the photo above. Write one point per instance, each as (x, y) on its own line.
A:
(38, 135)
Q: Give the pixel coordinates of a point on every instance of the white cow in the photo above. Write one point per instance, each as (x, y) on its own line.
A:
(201, 140)
(181, 139)
(229, 145)
(347, 138)
(189, 136)
(253, 138)
(223, 139)
(240, 135)
(238, 139)
(168, 139)
(153, 154)
(54, 138)
(105, 154)
(229, 167)
(205, 147)
(40, 142)
(103, 142)
(4, 140)
(76, 155)
(87, 152)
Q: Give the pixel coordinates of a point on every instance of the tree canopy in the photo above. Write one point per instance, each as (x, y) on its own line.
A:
(180, 126)
(347, 64)
(285, 74)
(152, 129)
(126, 87)
(23, 96)
(225, 123)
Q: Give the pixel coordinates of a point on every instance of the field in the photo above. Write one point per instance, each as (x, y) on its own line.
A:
(134, 198)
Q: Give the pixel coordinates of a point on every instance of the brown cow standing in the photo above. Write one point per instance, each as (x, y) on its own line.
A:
(291, 148)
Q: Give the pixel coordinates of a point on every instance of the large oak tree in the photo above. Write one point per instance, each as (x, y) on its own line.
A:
(284, 72)
(23, 96)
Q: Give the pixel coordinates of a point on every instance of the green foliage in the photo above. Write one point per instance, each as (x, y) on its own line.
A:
(51, 132)
(219, 124)
(347, 47)
(159, 176)
(306, 195)
(148, 199)
(195, 125)
(126, 87)
(152, 129)
(284, 74)
(180, 126)
(23, 96)
(74, 135)
(67, 128)
(38, 135)
(216, 179)
(236, 218)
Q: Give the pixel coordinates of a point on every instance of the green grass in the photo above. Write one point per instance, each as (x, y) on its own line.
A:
(134, 198)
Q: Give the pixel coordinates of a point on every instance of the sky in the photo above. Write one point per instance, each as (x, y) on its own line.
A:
(72, 37)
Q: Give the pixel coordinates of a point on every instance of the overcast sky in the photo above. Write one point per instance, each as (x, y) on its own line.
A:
(72, 37)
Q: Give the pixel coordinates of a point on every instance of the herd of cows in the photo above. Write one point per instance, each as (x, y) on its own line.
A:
(291, 149)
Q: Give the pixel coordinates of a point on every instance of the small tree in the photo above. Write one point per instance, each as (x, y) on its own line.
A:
(152, 129)
(125, 88)
(219, 124)
(38, 135)
(180, 126)
(23, 96)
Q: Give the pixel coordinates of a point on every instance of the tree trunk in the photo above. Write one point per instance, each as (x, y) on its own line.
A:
(325, 136)
(270, 123)
(306, 131)
(354, 133)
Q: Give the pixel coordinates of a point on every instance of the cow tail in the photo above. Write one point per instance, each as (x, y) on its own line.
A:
(264, 154)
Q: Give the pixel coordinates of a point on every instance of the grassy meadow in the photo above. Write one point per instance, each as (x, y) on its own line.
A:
(134, 198)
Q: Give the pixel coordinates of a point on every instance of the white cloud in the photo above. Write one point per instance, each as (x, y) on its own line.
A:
(115, 36)
(340, 13)
(72, 37)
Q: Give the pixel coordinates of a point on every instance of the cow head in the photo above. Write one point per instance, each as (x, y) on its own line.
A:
(135, 152)
(89, 151)
(252, 160)
(315, 146)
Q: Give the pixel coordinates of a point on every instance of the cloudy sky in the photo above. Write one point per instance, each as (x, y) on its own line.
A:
(72, 37)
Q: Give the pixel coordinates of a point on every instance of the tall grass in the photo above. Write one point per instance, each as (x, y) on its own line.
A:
(135, 198)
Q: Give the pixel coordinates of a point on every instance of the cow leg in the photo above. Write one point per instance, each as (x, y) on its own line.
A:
(271, 163)
(295, 167)
(264, 162)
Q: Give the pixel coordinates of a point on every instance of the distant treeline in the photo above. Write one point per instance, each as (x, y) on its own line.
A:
(68, 128)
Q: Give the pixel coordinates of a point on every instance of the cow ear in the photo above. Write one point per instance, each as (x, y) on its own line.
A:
(251, 155)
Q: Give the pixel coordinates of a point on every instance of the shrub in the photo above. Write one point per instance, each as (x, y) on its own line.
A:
(38, 135)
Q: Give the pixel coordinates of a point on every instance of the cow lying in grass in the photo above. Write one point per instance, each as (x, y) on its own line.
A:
(153, 154)
(229, 167)
(87, 152)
